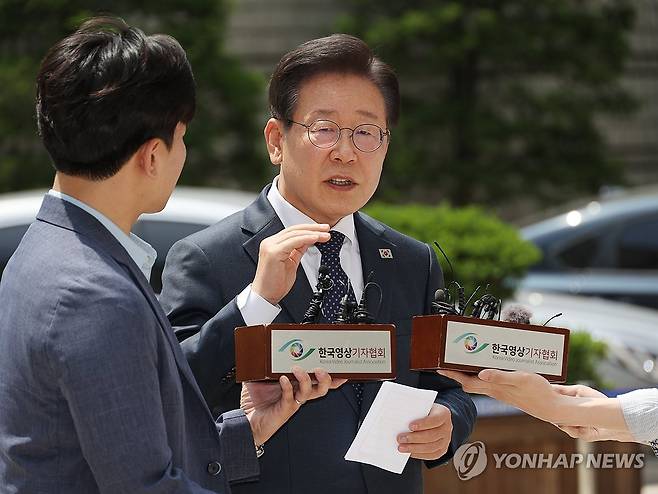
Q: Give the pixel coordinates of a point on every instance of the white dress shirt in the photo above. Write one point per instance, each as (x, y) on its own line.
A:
(141, 252)
(255, 309)
(640, 408)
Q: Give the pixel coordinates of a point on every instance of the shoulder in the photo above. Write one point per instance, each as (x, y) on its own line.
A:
(225, 234)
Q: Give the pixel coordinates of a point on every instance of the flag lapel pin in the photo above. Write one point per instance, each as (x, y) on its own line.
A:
(385, 254)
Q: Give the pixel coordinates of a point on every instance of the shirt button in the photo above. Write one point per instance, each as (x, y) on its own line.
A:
(214, 468)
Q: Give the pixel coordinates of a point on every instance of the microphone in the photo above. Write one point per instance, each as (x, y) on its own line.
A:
(517, 314)
(347, 308)
(324, 284)
(442, 304)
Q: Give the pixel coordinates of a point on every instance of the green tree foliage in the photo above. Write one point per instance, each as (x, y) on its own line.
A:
(500, 99)
(221, 146)
(482, 249)
(585, 355)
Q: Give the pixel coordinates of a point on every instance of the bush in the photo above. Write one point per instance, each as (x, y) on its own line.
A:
(585, 354)
(482, 249)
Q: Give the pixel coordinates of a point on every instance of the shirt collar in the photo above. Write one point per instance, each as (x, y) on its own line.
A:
(291, 216)
(142, 253)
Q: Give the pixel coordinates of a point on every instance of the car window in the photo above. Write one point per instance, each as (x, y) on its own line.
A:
(637, 246)
(580, 254)
(10, 237)
(162, 235)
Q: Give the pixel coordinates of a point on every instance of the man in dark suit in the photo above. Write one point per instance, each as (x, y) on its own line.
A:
(96, 395)
(332, 105)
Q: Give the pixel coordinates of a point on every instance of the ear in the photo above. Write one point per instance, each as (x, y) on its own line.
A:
(273, 139)
(148, 157)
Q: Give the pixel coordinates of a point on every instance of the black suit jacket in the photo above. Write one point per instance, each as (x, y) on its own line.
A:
(206, 271)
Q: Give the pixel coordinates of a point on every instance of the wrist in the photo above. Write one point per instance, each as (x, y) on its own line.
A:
(559, 410)
(259, 290)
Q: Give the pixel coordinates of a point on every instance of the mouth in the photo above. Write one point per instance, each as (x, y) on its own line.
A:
(341, 182)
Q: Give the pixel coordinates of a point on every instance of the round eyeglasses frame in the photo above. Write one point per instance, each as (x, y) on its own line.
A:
(382, 134)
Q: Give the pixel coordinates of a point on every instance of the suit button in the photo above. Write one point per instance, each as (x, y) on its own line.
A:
(214, 468)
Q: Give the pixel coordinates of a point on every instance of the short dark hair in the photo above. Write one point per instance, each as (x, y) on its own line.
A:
(338, 53)
(105, 90)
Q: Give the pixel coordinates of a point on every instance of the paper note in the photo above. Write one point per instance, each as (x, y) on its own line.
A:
(393, 409)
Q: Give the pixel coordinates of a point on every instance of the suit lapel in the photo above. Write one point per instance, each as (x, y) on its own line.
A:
(371, 239)
(261, 221)
(371, 236)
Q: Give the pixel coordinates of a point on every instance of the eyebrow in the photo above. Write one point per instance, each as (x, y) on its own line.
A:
(329, 113)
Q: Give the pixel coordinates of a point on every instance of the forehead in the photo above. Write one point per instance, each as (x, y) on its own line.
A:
(340, 95)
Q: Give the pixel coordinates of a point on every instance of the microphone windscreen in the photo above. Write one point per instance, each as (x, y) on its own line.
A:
(440, 295)
(517, 313)
(323, 270)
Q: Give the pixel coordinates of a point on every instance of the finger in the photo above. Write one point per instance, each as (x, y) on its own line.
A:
(315, 227)
(432, 456)
(296, 255)
(454, 375)
(425, 436)
(288, 234)
(428, 450)
(304, 385)
(512, 378)
(439, 416)
(470, 384)
(324, 381)
(336, 383)
(287, 391)
(571, 390)
(299, 242)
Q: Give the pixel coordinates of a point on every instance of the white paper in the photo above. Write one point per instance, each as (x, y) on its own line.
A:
(393, 409)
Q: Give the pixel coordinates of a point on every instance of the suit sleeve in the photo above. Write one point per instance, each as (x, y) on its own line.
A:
(192, 299)
(451, 394)
(238, 448)
(103, 353)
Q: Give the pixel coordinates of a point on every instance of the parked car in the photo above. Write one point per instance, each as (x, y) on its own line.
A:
(190, 209)
(629, 332)
(607, 249)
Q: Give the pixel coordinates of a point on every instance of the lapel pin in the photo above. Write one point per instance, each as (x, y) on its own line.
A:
(385, 254)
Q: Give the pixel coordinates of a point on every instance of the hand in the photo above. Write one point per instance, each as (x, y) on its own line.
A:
(578, 390)
(280, 255)
(526, 391)
(269, 405)
(430, 437)
(578, 410)
(589, 433)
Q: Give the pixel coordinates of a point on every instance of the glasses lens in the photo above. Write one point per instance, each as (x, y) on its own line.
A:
(367, 137)
(323, 133)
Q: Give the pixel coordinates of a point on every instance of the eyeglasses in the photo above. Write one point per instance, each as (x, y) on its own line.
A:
(325, 134)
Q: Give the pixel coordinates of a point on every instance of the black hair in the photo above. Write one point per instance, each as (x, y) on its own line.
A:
(338, 53)
(105, 90)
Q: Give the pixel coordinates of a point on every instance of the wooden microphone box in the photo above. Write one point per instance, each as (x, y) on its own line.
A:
(468, 344)
(359, 352)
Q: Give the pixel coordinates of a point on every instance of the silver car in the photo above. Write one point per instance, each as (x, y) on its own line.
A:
(190, 209)
(607, 249)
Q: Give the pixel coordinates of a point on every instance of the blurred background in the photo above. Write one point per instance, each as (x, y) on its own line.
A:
(527, 147)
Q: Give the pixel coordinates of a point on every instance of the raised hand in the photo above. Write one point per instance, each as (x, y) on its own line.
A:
(280, 255)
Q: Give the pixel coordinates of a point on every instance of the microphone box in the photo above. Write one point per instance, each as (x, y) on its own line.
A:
(358, 352)
(468, 344)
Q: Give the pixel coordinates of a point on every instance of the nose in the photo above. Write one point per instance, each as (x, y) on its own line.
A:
(344, 150)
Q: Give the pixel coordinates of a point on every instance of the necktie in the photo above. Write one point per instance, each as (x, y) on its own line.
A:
(331, 303)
